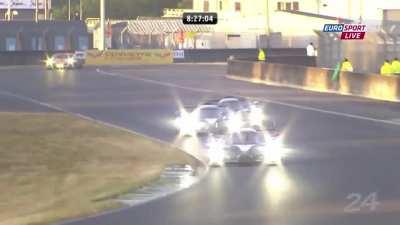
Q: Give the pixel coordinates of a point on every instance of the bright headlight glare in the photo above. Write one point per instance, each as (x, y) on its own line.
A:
(187, 123)
(49, 61)
(215, 145)
(216, 156)
(273, 151)
(235, 122)
(70, 60)
(256, 109)
(256, 117)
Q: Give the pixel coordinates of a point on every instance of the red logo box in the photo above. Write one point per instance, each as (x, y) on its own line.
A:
(352, 36)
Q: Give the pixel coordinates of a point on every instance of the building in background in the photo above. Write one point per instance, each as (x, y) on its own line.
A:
(43, 36)
(24, 9)
(280, 23)
(249, 24)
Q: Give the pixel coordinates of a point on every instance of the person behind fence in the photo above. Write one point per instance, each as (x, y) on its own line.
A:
(311, 51)
(396, 66)
(261, 55)
(386, 68)
(347, 66)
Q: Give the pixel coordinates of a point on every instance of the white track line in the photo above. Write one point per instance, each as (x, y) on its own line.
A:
(166, 84)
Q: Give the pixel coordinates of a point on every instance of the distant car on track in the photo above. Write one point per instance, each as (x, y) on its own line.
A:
(65, 61)
(80, 58)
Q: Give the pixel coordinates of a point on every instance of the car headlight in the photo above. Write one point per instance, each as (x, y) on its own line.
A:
(49, 61)
(187, 123)
(273, 151)
(235, 123)
(70, 61)
(216, 153)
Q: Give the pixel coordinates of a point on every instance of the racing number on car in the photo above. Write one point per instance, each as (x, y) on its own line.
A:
(358, 202)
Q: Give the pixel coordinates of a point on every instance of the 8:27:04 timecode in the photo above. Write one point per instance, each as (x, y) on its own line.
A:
(200, 18)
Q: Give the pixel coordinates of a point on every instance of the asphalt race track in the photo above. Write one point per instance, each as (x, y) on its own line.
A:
(342, 168)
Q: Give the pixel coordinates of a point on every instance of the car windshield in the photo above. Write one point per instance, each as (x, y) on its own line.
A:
(206, 113)
(233, 105)
(61, 56)
(247, 138)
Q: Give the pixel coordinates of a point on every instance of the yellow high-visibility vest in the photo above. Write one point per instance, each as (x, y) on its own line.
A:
(396, 66)
(261, 55)
(386, 69)
(346, 66)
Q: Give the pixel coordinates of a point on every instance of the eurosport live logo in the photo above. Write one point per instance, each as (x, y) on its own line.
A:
(349, 31)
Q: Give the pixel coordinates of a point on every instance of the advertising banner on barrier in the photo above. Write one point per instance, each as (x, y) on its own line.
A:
(179, 54)
(129, 57)
(21, 4)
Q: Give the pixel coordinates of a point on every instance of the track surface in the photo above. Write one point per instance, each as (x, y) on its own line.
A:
(339, 145)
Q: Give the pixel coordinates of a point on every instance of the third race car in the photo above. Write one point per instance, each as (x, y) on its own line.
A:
(246, 146)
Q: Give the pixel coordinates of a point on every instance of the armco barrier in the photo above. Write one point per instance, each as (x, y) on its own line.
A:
(129, 57)
(222, 55)
(317, 79)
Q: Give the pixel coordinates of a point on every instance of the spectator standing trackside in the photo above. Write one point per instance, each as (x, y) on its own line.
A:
(346, 66)
(261, 55)
(311, 51)
(386, 69)
(396, 66)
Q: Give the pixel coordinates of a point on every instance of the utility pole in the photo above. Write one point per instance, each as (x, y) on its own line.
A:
(69, 10)
(102, 25)
(361, 10)
(349, 7)
(268, 25)
(36, 10)
(45, 9)
(9, 10)
(80, 10)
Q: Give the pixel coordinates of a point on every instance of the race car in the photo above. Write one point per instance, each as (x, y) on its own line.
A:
(242, 113)
(204, 119)
(63, 61)
(252, 146)
(80, 58)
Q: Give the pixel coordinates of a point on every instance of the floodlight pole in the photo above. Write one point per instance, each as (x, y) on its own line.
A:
(69, 10)
(80, 10)
(102, 25)
(8, 14)
(36, 10)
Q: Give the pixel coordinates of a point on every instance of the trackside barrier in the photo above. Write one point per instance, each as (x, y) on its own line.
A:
(129, 57)
(221, 55)
(317, 79)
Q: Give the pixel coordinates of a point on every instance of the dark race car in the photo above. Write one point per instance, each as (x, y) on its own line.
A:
(251, 146)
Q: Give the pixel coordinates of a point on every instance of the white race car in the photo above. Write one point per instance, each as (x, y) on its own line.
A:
(204, 119)
(242, 113)
(252, 146)
(64, 61)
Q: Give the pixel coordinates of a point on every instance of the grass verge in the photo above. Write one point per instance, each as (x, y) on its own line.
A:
(54, 166)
